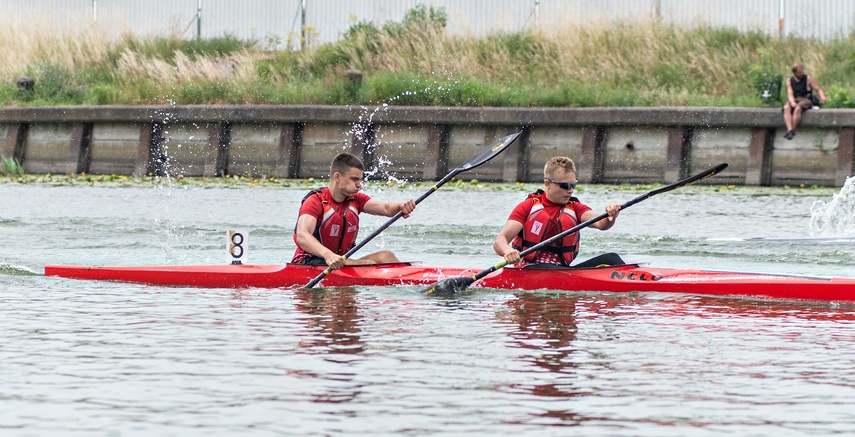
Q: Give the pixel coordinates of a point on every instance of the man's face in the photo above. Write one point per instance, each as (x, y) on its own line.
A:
(350, 182)
(554, 192)
(799, 72)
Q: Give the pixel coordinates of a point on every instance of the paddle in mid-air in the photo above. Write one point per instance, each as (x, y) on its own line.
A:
(331, 253)
(452, 285)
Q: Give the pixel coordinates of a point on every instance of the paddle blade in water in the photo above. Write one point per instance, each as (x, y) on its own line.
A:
(449, 286)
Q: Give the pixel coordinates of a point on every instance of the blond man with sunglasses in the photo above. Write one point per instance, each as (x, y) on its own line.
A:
(546, 213)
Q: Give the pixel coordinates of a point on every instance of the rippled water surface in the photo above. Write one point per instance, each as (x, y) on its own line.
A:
(99, 358)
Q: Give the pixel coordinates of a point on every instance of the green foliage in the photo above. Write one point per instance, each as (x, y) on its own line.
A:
(104, 94)
(11, 167)
(519, 44)
(167, 47)
(839, 97)
(201, 92)
(8, 91)
(766, 79)
(54, 85)
(416, 89)
(420, 17)
(522, 52)
(323, 60)
(731, 38)
(362, 29)
(839, 60)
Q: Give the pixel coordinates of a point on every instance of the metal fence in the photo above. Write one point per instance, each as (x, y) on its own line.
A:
(276, 22)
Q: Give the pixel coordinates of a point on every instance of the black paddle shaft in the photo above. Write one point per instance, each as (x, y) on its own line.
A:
(455, 284)
(476, 160)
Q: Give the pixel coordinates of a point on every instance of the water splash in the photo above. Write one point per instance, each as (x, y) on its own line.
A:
(837, 217)
(168, 231)
(9, 269)
(359, 132)
(383, 169)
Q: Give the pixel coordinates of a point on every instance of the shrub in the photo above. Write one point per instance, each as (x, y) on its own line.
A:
(766, 79)
(839, 97)
(11, 166)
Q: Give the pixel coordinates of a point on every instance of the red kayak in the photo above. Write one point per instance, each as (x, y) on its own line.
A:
(617, 279)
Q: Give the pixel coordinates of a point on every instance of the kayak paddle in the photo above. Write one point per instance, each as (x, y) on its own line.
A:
(452, 285)
(479, 158)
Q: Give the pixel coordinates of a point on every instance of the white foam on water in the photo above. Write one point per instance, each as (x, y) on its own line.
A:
(836, 217)
(9, 269)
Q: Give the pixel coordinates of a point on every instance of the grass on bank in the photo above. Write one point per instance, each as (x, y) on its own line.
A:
(418, 62)
(239, 182)
(10, 167)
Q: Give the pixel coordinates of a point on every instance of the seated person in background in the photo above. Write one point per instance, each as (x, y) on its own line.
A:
(329, 218)
(547, 213)
(800, 89)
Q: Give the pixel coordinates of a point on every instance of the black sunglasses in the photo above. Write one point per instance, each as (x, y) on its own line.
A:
(564, 185)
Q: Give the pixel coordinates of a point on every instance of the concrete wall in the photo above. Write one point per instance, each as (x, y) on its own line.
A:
(609, 145)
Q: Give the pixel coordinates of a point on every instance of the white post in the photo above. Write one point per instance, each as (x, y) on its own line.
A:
(95, 10)
(536, 12)
(199, 19)
(781, 19)
(302, 24)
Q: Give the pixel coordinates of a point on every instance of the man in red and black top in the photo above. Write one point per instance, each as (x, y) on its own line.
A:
(546, 213)
(329, 218)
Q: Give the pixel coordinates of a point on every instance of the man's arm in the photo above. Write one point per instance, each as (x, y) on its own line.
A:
(306, 224)
(502, 244)
(816, 87)
(612, 210)
(791, 98)
(389, 209)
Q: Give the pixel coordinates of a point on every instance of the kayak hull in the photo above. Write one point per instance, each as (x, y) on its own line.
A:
(259, 275)
(618, 279)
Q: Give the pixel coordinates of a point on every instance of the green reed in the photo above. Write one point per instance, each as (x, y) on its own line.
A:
(10, 167)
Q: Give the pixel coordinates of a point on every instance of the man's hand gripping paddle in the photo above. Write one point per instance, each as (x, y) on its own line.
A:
(479, 158)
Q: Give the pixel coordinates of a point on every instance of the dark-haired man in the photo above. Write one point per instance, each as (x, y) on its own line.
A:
(328, 222)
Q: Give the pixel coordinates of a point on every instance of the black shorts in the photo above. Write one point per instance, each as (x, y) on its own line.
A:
(313, 261)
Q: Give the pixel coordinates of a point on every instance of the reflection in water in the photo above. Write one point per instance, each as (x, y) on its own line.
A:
(335, 322)
(694, 308)
(547, 326)
(566, 340)
(333, 330)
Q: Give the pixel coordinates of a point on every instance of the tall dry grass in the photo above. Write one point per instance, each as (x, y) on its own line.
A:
(637, 63)
(26, 42)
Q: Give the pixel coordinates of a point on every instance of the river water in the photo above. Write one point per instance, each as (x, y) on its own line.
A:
(96, 358)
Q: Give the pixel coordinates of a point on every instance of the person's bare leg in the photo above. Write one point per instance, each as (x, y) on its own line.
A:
(797, 117)
(788, 117)
(382, 257)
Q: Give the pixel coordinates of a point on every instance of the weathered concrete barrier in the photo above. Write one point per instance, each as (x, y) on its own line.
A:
(610, 145)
